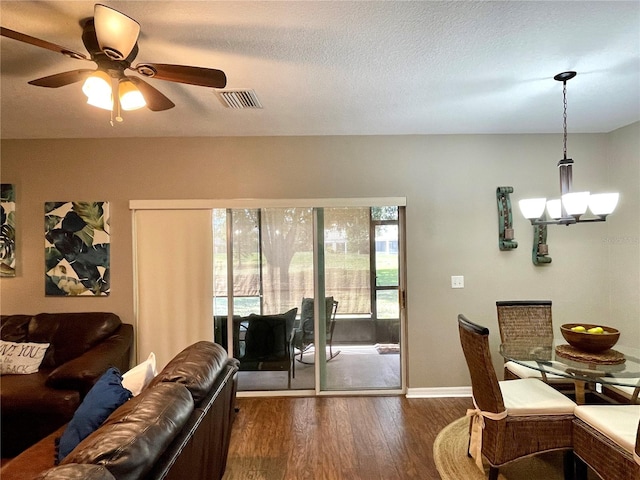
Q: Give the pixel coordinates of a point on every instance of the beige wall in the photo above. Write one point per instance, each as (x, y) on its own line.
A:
(449, 183)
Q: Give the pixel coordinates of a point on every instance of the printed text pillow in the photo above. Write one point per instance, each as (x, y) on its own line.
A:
(21, 358)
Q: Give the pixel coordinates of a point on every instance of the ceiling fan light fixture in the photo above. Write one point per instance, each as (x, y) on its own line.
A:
(101, 101)
(130, 97)
(98, 84)
(117, 33)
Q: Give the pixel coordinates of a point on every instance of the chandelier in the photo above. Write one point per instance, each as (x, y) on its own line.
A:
(572, 206)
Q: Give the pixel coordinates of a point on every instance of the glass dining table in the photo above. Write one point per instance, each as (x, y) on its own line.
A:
(619, 366)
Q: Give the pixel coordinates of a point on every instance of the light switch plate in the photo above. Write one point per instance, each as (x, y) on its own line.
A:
(457, 281)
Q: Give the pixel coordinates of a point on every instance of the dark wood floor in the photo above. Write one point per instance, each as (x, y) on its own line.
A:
(326, 438)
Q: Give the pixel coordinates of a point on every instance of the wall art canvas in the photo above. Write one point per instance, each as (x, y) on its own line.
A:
(7, 230)
(77, 241)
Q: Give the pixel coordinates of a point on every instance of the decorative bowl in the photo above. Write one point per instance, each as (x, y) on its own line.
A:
(590, 342)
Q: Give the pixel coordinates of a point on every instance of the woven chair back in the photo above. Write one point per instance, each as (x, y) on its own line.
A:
(484, 381)
(520, 320)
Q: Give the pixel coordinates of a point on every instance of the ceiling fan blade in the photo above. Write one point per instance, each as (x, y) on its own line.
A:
(116, 32)
(204, 77)
(62, 79)
(156, 101)
(22, 37)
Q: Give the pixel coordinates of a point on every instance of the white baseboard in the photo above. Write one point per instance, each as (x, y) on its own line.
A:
(439, 392)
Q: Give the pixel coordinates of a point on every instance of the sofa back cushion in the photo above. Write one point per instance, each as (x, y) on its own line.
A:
(196, 367)
(131, 440)
(76, 471)
(14, 328)
(70, 334)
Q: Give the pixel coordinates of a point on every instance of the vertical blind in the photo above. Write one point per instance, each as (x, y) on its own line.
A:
(173, 260)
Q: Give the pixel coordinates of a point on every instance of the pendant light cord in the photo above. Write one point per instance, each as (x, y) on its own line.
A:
(564, 118)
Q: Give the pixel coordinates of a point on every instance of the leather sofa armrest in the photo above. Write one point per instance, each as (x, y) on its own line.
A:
(83, 371)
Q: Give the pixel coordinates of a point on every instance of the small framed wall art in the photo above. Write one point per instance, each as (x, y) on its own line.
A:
(7, 230)
(77, 241)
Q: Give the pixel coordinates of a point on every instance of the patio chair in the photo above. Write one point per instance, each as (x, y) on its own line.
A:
(267, 343)
(607, 439)
(529, 319)
(515, 418)
(304, 336)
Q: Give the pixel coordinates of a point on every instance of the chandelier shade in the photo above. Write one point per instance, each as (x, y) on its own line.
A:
(532, 208)
(575, 203)
(554, 208)
(603, 203)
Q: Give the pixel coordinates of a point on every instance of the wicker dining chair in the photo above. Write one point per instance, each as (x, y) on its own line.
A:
(607, 439)
(529, 416)
(529, 319)
(620, 394)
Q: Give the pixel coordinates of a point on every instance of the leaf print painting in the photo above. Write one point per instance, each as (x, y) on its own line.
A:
(7, 231)
(77, 244)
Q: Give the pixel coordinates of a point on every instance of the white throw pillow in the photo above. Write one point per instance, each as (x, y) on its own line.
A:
(139, 376)
(21, 358)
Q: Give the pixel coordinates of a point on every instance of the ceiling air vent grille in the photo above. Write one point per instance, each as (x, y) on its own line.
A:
(239, 99)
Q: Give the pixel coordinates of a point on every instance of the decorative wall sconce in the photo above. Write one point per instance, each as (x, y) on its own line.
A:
(540, 247)
(505, 220)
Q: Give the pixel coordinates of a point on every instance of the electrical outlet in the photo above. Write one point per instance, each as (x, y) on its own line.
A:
(457, 281)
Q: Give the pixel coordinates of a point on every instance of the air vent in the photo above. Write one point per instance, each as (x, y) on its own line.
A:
(239, 98)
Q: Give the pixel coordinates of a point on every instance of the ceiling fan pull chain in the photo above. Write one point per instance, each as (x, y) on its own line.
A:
(118, 115)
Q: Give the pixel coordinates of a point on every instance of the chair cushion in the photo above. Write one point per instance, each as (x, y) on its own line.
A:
(530, 396)
(526, 372)
(268, 335)
(617, 422)
(626, 391)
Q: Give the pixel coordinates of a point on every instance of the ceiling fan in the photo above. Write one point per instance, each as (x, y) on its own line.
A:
(111, 38)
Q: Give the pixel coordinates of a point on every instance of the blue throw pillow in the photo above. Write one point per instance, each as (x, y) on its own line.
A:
(104, 397)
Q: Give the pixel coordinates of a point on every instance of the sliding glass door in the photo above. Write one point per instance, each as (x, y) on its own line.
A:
(362, 271)
(278, 261)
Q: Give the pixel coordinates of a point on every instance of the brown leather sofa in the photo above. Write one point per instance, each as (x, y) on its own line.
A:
(82, 347)
(177, 428)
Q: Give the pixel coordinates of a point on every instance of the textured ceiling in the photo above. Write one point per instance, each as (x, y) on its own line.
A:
(342, 68)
